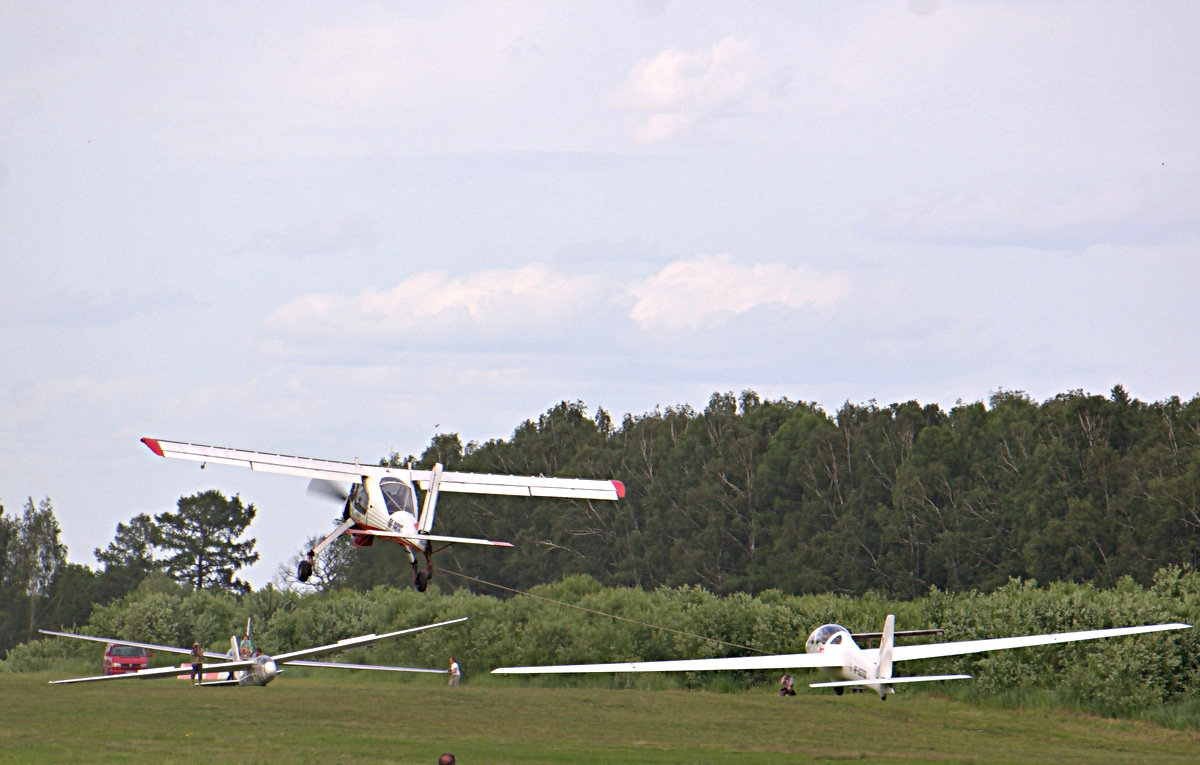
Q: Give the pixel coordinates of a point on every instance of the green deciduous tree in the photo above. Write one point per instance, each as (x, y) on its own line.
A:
(128, 558)
(33, 554)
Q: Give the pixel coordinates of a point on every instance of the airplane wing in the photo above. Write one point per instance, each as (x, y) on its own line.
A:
(160, 672)
(428, 537)
(233, 666)
(339, 665)
(151, 646)
(352, 472)
(773, 661)
(286, 658)
(815, 660)
(525, 486)
(963, 647)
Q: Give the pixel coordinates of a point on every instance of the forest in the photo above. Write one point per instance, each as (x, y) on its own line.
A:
(749, 495)
(744, 497)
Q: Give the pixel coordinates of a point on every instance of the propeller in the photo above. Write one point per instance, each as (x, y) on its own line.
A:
(328, 489)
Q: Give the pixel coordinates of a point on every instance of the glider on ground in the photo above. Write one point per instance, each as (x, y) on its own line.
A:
(831, 649)
(382, 501)
(253, 668)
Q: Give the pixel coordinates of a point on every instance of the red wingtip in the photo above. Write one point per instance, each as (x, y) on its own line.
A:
(620, 487)
(153, 444)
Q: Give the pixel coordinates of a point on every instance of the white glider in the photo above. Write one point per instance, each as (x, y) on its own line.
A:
(254, 670)
(831, 649)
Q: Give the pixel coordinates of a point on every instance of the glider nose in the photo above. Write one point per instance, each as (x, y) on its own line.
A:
(265, 670)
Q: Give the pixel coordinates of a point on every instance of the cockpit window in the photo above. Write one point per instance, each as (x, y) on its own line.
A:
(361, 498)
(836, 639)
(398, 496)
(821, 635)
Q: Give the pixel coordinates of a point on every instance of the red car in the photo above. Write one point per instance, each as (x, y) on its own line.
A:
(119, 659)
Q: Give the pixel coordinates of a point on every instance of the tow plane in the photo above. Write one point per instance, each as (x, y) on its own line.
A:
(249, 667)
(832, 650)
(381, 501)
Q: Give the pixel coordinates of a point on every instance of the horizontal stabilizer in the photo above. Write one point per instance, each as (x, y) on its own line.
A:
(889, 681)
(427, 538)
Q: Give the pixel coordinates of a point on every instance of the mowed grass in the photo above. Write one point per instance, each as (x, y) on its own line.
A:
(340, 717)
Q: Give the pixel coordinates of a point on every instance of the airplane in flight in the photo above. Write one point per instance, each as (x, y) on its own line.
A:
(253, 668)
(832, 650)
(381, 501)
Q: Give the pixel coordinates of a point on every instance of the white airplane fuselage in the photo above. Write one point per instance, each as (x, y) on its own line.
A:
(856, 664)
(387, 504)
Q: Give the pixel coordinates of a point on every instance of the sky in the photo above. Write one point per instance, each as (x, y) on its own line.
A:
(338, 229)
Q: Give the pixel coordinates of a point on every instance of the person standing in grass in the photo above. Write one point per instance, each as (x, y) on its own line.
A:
(455, 672)
(197, 664)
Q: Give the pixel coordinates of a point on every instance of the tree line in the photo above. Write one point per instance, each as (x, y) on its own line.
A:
(1154, 675)
(745, 496)
(199, 546)
(750, 494)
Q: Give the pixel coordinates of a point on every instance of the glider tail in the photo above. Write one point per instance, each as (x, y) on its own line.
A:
(884, 669)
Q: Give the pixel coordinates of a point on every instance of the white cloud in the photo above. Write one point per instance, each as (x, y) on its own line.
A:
(692, 292)
(675, 89)
(489, 303)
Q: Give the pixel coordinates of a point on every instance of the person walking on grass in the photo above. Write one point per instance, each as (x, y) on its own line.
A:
(197, 664)
(455, 672)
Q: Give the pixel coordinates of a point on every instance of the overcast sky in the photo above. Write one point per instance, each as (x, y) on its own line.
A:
(336, 229)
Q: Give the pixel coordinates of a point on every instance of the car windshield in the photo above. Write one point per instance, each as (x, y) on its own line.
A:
(126, 651)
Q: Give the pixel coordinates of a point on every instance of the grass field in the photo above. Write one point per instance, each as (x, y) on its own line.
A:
(329, 717)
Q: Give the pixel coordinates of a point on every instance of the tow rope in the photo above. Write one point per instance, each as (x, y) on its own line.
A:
(600, 613)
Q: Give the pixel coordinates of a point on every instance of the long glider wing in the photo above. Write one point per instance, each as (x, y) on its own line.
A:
(354, 642)
(160, 672)
(773, 661)
(118, 641)
(816, 660)
(233, 666)
(352, 472)
(963, 647)
(383, 668)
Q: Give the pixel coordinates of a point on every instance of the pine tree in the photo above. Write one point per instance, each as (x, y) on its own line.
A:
(201, 541)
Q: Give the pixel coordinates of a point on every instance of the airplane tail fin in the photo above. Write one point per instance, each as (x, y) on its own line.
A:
(429, 506)
(884, 669)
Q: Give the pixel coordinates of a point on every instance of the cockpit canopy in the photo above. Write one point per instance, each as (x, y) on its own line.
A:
(398, 496)
(822, 635)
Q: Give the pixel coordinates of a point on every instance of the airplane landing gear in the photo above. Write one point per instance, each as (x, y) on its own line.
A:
(838, 691)
(421, 577)
(305, 570)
